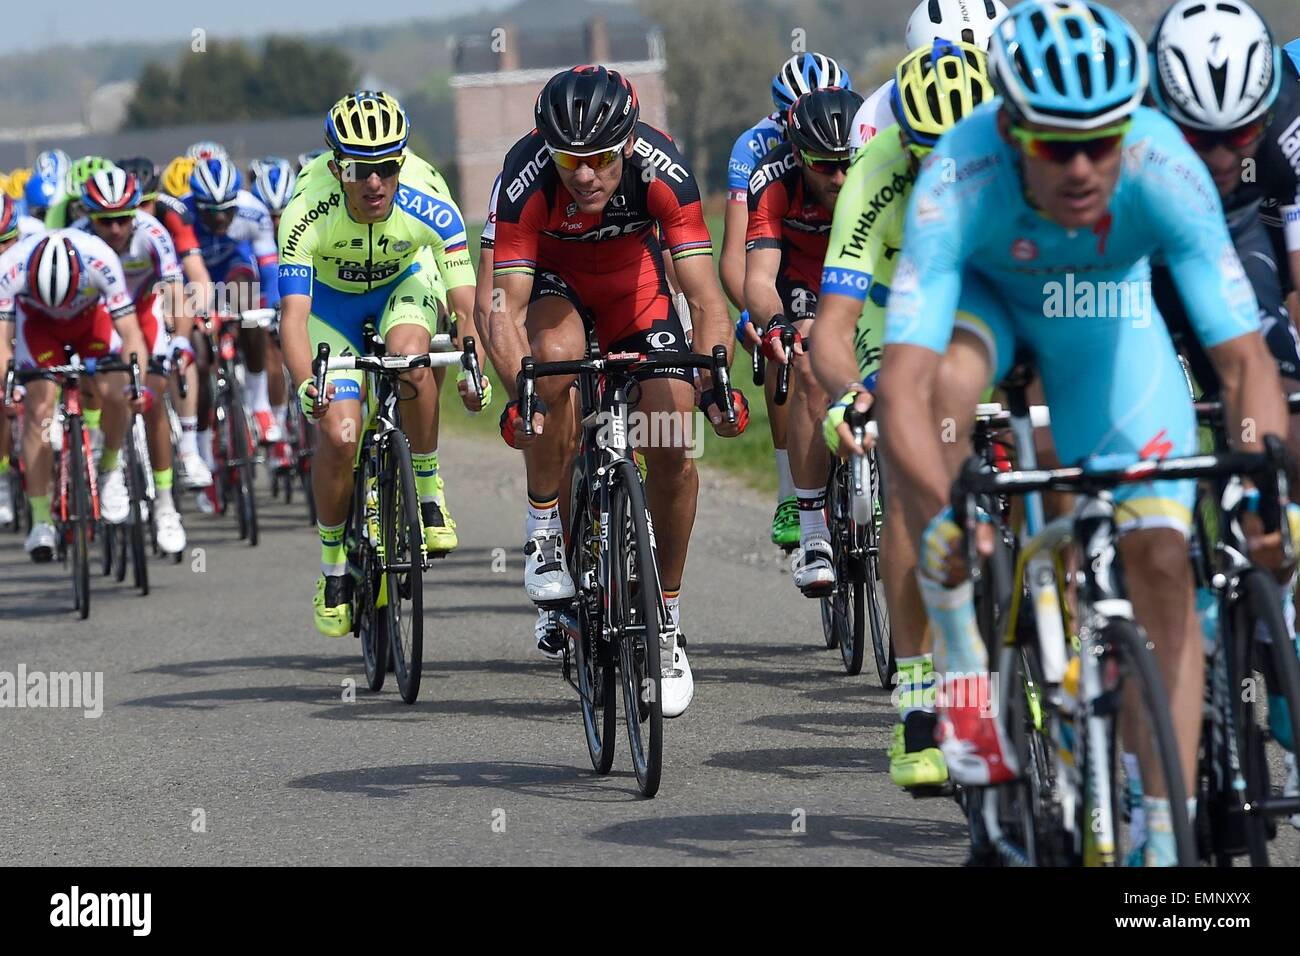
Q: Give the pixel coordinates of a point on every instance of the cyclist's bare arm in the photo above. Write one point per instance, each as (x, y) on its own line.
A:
(836, 367)
(196, 274)
(708, 305)
(506, 340)
(731, 263)
(294, 340)
(1251, 388)
(462, 301)
(761, 267)
(483, 294)
(905, 402)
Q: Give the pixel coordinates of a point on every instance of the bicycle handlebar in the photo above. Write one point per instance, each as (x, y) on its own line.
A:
(1210, 412)
(626, 363)
(783, 373)
(469, 362)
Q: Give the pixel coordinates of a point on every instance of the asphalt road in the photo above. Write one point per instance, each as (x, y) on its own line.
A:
(227, 735)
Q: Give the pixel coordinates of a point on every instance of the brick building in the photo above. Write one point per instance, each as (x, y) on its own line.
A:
(499, 74)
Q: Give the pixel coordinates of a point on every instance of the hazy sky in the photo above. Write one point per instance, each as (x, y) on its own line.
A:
(33, 26)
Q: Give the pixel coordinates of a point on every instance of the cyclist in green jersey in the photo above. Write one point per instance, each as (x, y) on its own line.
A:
(352, 247)
(934, 87)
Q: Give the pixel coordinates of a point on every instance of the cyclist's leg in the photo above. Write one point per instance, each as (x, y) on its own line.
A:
(242, 275)
(980, 351)
(410, 317)
(556, 332)
(1116, 394)
(34, 338)
(338, 434)
(814, 569)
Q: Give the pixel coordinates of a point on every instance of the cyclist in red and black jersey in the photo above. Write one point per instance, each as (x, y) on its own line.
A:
(584, 199)
(792, 195)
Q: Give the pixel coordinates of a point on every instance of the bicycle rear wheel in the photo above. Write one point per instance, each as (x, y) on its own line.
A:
(592, 658)
(1130, 715)
(403, 557)
(635, 620)
(1255, 614)
(80, 515)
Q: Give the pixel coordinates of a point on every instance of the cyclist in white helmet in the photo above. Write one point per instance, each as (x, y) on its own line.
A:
(966, 21)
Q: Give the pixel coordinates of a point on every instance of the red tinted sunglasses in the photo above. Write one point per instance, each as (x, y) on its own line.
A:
(1204, 140)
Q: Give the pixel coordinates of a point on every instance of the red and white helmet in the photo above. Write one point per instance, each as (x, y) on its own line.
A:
(111, 191)
(54, 271)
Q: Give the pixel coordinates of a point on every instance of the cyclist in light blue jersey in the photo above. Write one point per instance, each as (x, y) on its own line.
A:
(802, 73)
(1029, 231)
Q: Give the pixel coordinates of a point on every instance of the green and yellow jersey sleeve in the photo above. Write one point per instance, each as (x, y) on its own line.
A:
(867, 236)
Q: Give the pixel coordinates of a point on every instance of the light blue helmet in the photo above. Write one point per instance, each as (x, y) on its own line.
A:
(803, 73)
(1068, 63)
(52, 165)
(1292, 50)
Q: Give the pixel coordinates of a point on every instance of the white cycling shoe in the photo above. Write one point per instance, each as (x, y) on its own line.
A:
(171, 533)
(114, 500)
(195, 471)
(676, 682)
(546, 579)
(814, 570)
(6, 501)
(40, 542)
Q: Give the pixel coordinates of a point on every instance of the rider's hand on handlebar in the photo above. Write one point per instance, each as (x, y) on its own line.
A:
(747, 333)
(468, 395)
(143, 402)
(837, 432)
(512, 424)
(943, 550)
(307, 398)
(773, 348)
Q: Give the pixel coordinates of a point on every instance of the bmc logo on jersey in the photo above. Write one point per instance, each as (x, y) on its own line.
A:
(770, 173)
(529, 173)
(658, 159)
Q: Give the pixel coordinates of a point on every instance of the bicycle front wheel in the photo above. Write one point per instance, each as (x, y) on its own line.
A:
(80, 516)
(1130, 719)
(636, 621)
(592, 659)
(136, 522)
(403, 562)
(843, 620)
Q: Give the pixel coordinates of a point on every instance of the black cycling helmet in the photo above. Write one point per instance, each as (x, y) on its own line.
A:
(586, 109)
(820, 121)
(145, 172)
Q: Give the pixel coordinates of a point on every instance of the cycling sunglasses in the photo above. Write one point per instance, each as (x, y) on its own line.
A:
(1061, 147)
(825, 165)
(359, 170)
(597, 160)
(1204, 140)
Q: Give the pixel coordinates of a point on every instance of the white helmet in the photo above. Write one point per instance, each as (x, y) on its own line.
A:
(1214, 66)
(206, 149)
(968, 21)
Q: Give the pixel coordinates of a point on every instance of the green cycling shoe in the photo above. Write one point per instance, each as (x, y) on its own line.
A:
(332, 604)
(922, 765)
(785, 524)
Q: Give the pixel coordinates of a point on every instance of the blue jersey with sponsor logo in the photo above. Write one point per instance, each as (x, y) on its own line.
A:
(250, 239)
(751, 146)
